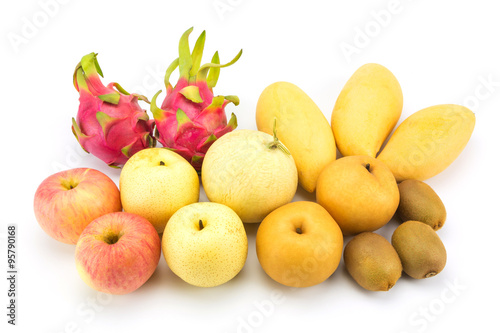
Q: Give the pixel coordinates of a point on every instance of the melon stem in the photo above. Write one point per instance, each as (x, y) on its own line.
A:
(276, 143)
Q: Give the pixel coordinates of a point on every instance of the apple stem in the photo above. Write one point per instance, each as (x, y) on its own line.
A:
(162, 163)
(69, 184)
(112, 239)
(367, 166)
(201, 224)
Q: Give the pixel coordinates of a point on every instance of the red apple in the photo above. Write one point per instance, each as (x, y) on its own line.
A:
(118, 252)
(66, 202)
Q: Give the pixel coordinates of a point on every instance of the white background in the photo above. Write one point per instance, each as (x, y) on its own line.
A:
(440, 51)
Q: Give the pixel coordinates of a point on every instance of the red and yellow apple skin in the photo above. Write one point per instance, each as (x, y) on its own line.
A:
(117, 253)
(67, 201)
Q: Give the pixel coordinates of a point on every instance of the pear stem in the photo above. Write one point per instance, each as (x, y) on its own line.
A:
(367, 166)
(299, 231)
(201, 224)
(162, 163)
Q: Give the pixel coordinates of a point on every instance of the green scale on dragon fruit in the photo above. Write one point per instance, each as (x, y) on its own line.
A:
(110, 124)
(191, 118)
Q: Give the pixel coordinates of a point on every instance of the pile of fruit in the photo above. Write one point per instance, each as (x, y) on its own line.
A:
(251, 176)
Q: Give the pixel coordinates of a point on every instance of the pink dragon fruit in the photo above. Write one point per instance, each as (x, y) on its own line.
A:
(191, 118)
(110, 124)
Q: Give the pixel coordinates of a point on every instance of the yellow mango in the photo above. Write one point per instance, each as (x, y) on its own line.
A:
(366, 110)
(428, 141)
(301, 127)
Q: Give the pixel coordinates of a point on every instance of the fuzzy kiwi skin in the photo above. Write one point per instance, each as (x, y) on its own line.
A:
(420, 249)
(372, 262)
(419, 202)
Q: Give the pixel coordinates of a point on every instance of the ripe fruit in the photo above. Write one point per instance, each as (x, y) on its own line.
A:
(372, 261)
(251, 172)
(359, 192)
(419, 202)
(420, 249)
(301, 126)
(191, 118)
(117, 253)
(110, 123)
(155, 183)
(205, 244)
(366, 111)
(299, 244)
(428, 141)
(67, 201)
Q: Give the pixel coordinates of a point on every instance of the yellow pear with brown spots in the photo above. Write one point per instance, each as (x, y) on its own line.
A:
(156, 182)
(205, 244)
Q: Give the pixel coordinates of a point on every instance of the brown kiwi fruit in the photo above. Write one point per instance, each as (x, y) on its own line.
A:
(420, 249)
(419, 202)
(372, 261)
